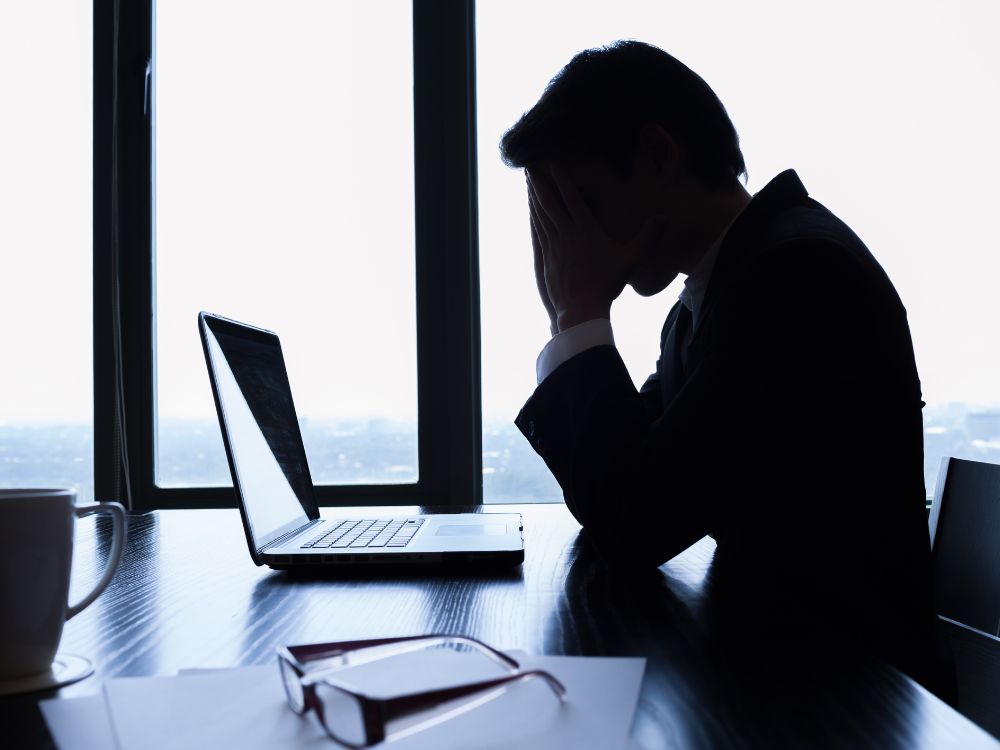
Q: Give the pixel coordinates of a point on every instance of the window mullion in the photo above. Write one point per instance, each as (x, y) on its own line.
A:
(447, 251)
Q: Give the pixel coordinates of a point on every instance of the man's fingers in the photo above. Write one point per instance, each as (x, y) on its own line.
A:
(547, 200)
(548, 229)
(572, 199)
(538, 245)
(543, 290)
(539, 241)
(537, 228)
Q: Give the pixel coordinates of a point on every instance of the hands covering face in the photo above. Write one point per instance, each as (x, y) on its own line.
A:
(579, 270)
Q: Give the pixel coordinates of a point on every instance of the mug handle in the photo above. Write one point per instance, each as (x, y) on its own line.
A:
(117, 548)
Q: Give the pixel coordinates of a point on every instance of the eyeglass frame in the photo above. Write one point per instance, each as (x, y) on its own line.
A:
(377, 712)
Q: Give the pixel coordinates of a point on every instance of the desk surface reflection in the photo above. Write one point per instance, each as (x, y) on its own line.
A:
(188, 595)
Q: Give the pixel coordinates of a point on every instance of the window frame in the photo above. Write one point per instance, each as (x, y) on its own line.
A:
(449, 426)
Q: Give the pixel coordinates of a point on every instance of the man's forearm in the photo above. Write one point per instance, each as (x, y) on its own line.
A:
(592, 429)
(576, 314)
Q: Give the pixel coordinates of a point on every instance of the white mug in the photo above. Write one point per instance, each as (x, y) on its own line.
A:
(36, 553)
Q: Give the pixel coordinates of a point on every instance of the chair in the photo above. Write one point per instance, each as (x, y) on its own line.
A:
(965, 540)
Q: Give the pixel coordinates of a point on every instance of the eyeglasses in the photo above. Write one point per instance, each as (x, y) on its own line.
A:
(357, 720)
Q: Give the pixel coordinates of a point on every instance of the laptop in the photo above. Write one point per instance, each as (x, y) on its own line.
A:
(274, 487)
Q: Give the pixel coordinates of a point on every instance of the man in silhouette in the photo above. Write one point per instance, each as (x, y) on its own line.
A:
(784, 414)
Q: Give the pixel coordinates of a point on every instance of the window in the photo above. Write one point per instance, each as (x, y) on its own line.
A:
(46, 383)
(284, 192)
(304, 168)
(889, 117)
(265, 124)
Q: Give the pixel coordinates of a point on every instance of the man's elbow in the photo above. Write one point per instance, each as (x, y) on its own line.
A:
(620, 555)
(635, 537)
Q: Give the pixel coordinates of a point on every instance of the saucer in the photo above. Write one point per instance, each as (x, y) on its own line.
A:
(65, 669)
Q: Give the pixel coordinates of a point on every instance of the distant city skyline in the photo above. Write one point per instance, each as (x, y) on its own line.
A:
(378, 451)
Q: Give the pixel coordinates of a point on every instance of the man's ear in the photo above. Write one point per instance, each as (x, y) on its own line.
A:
(658, 153)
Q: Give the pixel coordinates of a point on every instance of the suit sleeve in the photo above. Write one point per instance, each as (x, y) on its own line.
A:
(646, 490)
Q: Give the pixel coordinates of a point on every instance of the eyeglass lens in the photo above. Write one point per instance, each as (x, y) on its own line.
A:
(342, 714)
(293, 686)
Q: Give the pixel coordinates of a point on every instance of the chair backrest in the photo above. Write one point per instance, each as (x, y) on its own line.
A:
(965, 538)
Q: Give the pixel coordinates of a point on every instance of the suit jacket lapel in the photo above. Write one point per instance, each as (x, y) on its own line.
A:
(784, 190)
(672, 372)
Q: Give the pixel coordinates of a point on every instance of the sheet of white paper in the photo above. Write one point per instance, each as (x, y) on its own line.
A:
(243, 707)
(83, 722)
(80, 723)
(246, 707)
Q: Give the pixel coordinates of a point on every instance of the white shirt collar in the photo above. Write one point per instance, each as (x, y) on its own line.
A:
(696, 285)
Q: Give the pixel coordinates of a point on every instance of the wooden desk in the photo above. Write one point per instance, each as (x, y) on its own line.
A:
(187, 595)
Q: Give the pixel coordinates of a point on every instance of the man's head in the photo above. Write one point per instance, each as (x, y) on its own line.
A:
(643, 137)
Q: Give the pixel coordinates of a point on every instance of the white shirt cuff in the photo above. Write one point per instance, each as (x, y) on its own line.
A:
(567, 344)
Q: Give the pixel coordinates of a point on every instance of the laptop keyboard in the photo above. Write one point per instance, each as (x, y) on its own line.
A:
(352, 532)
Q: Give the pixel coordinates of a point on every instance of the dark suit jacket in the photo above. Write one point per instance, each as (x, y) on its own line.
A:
(793, 437)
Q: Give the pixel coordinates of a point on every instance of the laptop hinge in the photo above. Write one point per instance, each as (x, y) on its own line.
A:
(285, 537)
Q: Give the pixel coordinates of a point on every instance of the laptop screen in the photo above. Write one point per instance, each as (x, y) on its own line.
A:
(262, 431)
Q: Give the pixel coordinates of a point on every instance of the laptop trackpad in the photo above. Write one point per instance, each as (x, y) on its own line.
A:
(472, 529)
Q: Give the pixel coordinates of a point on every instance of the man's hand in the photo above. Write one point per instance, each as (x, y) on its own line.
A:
(536, 246)
(580, 271)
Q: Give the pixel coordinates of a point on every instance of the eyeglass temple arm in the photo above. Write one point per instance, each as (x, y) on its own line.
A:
(314, 652)
(404, 705)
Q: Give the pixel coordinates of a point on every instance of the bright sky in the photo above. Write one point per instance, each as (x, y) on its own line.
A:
(285, 184)
(45, 211)
(285, 196)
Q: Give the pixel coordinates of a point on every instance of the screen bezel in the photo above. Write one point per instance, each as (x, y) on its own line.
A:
(217, 324)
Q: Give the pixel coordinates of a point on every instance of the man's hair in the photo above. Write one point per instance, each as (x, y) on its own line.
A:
(597, 105)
